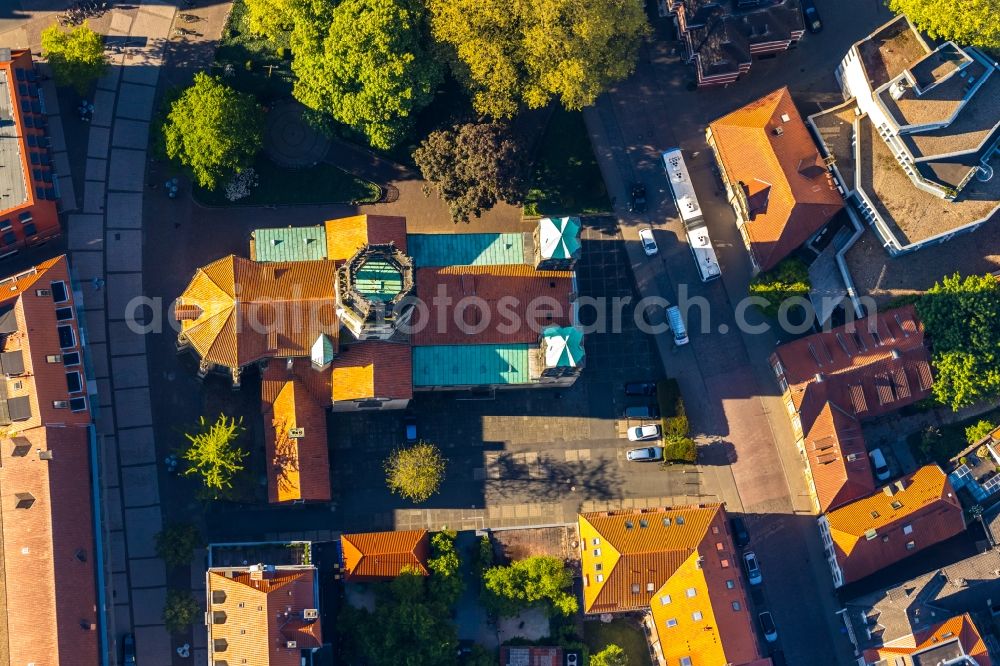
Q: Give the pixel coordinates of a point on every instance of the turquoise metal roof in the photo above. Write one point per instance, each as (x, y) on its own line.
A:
(290, 244)
(471, 365)
(465, 249)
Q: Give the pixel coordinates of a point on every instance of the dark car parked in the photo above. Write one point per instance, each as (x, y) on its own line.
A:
(741, 536)
(813, 22)
(637, 200)
(640, 388)
(642, 412)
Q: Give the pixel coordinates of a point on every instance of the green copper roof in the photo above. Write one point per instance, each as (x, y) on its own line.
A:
(465, 249)
(471, 365)
(290, 244)
(378, 280)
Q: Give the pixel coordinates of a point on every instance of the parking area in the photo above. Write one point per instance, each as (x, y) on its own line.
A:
(545, 453)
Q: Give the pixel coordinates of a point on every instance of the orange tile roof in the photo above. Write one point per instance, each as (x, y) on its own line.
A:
(518, 300)
(43, 213)
(48, 547)
(854, 372)
(838, 459)
(960, 629)
(384, 555)
(373, 370)
(791, 198)
(300, 467)
(681, 564)
(346, 235)
(251, 311)
(872, 533)
(254, 616)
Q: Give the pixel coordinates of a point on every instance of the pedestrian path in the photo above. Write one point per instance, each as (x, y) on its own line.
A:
(105, 243)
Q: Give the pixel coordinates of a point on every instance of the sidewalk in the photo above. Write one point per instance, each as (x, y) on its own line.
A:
(105, 244)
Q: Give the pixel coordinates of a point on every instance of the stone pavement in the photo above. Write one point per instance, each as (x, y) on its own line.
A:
(105, 243)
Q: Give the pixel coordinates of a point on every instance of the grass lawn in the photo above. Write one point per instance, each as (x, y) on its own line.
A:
(320, 184)
(952, 439)
(622, 633)
(565, 178)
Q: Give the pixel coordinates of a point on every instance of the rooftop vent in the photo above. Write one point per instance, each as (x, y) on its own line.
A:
(310, 614)
(819, 377)
(785, 117)
(291, 645)
(24, 500)
(895, 354)
(778, 131)
(297, 433)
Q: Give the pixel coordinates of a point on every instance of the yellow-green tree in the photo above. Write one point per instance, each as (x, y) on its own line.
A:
(967, 22)
(271, 18)
(76, 57)
(212, 453)
(513, 52)
(415, 472)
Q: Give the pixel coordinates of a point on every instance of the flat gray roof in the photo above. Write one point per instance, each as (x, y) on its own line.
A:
(13, 191)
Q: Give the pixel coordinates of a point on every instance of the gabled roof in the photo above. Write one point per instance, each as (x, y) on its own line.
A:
(867, 368)
(838, 459)
(892, 615)
(757, 144)
(384, 555)
(955, 637)
(681, 564)
(874, 532)
(49, 598)
(346, 235)
(294, 438)
(236, 311)
(373, 370)
(517, 300)
(254, 615)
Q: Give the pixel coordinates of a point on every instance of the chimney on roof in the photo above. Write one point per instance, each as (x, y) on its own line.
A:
(896, 355)
(778, 131)
(819, 377)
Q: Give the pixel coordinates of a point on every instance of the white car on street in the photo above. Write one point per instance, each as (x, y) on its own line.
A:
(643, 432)
(648, 242)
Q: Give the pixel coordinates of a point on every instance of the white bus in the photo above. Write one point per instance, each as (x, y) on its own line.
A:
(690, 211)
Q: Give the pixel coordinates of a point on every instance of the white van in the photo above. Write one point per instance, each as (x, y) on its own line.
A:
(882, 471)
(677, 325)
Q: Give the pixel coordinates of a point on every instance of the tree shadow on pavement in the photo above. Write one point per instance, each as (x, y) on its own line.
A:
(547, 479)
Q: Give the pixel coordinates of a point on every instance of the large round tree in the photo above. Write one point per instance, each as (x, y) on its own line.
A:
(213, 130)
(473, 166)
(364, 62)
(513, 52)
(76, 57)
(969, 22)
(415, 472)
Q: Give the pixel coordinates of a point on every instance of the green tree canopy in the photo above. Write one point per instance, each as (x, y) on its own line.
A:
(979, 430)
(534, 581)
(968, 23)
(180, 610)
(407, 626)
(445, 583)
(273, 19)
(212, 453)
(364, 63)
(176, 543)
(960, 316)
(415, 472)
(513, 52)
(473, 166)
(213, 130)
(76, 57)
(611, 655)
